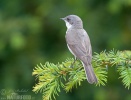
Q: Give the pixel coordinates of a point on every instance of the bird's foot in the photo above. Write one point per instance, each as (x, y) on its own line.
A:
(106, 67)
(72, 64)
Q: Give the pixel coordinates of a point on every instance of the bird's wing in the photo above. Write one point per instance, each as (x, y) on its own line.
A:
(79, 43)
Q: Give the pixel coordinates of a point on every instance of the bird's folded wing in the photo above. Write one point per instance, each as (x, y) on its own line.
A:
(79, 43)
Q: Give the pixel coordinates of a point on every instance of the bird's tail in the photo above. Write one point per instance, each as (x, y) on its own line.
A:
(90, 75)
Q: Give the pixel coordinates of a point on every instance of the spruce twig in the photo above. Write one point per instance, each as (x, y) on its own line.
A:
(51, 77)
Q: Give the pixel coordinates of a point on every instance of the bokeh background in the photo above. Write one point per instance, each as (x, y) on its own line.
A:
(31, 32)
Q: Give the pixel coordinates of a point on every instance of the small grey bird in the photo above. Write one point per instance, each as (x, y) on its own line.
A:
(78, 43)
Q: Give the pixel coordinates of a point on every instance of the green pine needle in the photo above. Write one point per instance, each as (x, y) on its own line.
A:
(101, 75)
(125, 74)
(75, 79)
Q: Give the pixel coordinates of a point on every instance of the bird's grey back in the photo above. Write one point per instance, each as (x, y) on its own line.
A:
(80, 39)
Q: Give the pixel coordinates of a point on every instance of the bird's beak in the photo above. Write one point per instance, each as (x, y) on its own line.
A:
(62, 18)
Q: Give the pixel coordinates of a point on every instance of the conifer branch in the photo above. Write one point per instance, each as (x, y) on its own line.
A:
(51, 77)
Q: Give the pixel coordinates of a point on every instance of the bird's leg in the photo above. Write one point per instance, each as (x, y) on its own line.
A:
(107, 67)
(73, 63)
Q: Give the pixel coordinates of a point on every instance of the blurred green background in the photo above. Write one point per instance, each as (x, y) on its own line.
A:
(31, 32)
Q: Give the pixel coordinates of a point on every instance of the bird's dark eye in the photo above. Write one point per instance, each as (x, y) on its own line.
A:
(68, 19)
